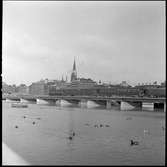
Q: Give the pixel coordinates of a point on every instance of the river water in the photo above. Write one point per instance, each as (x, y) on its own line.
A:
(46, 141)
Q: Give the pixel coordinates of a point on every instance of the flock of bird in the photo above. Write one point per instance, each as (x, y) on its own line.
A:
(16, 126)
(72, 133)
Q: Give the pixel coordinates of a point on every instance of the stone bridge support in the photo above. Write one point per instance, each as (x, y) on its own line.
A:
(126, 106)
(12, 100)
(58, 102)
(23, 100)
(65, 103)
(164, 106)
(41, 101)
(92, 104)
(148, 106)
(108, 104)
(46, 101)
(83, 103)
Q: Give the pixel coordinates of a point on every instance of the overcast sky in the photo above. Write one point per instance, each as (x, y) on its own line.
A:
(111, 41)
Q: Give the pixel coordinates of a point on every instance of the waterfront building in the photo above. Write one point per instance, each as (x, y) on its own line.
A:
(43, 87)
(39, 88)
(124, 84)
(163, 84)
(22, 89)
(83, 83)
(8, 89)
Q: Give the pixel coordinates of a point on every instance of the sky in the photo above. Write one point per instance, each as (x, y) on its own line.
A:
(110, 41)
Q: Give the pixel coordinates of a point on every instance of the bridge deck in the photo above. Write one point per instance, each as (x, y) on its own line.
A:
(46, 97)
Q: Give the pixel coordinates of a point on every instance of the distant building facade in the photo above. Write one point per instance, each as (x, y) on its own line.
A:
(124, 84)
(83, 83)
(39, 88)
(163, 84)
(22, 89)
(44, 87)
(8, 89)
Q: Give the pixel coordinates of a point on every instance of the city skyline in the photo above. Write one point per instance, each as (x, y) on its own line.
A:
(74, 72)
(111, 42)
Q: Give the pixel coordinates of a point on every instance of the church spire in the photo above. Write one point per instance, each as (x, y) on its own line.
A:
(74, 66)
(74, 72)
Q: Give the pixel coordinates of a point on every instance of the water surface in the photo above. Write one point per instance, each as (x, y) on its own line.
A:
(46, 141)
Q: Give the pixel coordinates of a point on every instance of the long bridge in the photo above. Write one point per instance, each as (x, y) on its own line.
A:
(82, 100)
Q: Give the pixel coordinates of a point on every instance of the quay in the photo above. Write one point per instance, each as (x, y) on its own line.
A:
(101, 100)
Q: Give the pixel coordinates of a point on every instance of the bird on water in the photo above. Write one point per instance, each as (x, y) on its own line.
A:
(132, 142)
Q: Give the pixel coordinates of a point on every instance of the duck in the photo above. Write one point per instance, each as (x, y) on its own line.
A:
(33, 123)
(101, 125)
(132, 142)
(96, 126)
(70, 137)
(16, 126)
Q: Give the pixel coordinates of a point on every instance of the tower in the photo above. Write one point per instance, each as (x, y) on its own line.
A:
(74, 72)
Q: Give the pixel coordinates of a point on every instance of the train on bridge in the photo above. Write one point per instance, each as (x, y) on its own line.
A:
(109, 91)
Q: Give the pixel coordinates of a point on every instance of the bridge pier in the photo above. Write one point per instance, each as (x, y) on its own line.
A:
(92, 104)
(58, 102)
(83, 103)
(108, 104)
(164, 106)
(41, 101)
(126, 106)
(148, 106)
(65, 103)
(12, 100)
(23, 100)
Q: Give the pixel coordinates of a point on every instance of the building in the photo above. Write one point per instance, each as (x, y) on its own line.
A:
(79, 83)
(76, 84)
(83, 83)
(8, 89)
(39, 88)
(22, 89)
(124, 84)
(163, 84)
(46, 87)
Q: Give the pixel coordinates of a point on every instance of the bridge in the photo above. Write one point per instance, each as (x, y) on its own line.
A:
(101, 100)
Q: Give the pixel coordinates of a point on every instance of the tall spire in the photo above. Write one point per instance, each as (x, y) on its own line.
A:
(74, 72)
(74, 66)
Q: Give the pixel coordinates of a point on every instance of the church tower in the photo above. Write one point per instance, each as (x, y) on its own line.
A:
(74, 72)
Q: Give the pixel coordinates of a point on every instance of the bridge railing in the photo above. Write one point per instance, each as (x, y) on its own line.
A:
(84, 97)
